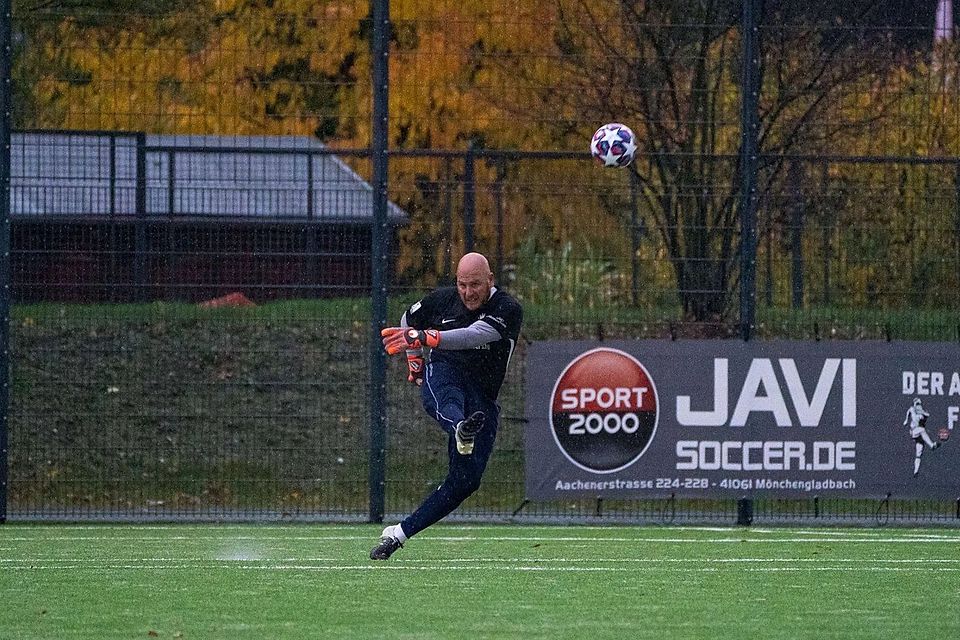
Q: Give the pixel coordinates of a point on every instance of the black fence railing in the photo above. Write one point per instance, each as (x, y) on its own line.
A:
(182, 411)
(192, 313)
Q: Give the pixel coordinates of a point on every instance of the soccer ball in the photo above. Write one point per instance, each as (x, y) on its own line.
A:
(613, 145)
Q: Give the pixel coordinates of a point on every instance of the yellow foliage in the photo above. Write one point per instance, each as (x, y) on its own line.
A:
(504, 74)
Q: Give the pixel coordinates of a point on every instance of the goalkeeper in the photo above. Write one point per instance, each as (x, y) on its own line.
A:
(471, 331)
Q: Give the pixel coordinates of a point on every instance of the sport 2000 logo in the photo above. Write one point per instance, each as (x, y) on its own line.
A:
(604, 410)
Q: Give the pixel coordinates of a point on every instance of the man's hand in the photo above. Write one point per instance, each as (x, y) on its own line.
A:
(397, 339)
(415, 369)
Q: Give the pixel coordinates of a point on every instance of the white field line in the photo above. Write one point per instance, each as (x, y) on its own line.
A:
(745, 538)
(474, 567)
(133, 528)
(242, 561)
(228, 527)
(207, 528)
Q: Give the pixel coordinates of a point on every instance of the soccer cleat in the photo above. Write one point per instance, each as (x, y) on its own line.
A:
(387, 546)
(467, 431)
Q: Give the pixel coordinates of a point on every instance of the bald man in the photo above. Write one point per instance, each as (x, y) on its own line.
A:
(471, 331)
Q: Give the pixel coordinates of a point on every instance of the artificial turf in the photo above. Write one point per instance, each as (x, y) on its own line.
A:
(316, 581)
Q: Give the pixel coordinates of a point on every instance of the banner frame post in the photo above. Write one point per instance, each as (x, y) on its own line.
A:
(6, 109)
(379, 143)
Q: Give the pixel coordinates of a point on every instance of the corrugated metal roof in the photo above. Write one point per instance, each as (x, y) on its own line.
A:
(71, 173)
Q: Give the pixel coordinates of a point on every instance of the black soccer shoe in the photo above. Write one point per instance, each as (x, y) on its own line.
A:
(467, 431)
(383, 551)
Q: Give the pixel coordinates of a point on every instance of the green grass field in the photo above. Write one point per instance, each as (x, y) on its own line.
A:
(305, 581)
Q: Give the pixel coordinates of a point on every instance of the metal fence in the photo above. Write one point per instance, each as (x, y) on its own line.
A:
(214, 207)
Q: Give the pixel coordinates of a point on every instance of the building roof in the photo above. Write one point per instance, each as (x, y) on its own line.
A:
(262, 177)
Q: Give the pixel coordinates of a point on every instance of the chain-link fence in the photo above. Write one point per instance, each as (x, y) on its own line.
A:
(195, 235)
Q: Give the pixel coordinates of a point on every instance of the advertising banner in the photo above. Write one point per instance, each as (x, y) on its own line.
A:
(731, 418)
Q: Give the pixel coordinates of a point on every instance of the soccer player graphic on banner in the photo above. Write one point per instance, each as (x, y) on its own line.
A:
(471, 330)
(917, 419)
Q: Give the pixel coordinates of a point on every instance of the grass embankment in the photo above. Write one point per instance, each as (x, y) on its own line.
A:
(170, 406)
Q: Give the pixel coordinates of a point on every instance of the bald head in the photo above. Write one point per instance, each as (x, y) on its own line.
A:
(473, 262)
(474, 280)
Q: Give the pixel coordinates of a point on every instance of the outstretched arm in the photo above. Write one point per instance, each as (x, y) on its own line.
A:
(397, 339)
(477, 334)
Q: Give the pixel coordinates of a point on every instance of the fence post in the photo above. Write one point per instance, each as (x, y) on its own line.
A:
(956, 217)
(140, 226)
(749, 123)
(469, 199)
(112, 290)
(310, 236)
(447, 221)
(112, 195)
(498, 203)
(171, 183)
(826, 223)
(5, 123)
(745, 511)
(635, 233)
(380, 11)
(795, 187)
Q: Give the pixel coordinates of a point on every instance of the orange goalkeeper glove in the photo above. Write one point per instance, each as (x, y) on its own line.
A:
(397, 339)
(415, 369)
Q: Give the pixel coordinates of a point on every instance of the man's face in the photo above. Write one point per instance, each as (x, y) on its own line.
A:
(474, 287)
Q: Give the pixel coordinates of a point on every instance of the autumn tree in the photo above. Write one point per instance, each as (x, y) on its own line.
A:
(498, 74)
(673, 71)
(214, 66)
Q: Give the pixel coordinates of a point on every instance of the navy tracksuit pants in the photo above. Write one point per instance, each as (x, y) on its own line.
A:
(448, 396)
